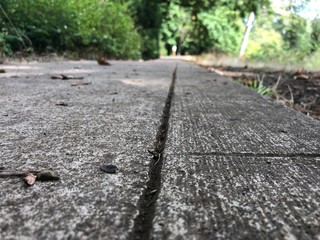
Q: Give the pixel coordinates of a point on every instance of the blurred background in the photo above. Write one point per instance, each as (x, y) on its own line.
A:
(283, 31)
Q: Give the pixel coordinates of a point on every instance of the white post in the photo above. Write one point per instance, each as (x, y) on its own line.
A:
(246, 34)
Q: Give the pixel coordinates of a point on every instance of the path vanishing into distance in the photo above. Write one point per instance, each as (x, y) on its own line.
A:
(151, 150)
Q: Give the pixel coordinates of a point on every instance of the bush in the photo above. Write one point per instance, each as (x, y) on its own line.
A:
(177, 29)
(108, 28)
(223, 28)
(102, 27)
(216, 29)
(4, 46)
(264, 44)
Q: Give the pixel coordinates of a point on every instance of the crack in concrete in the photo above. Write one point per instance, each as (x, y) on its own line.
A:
(147, 203)
(251, 154)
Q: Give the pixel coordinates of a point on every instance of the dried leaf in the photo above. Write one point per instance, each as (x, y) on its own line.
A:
(301, 76)
(56, 77)
(2, 71)
(103, 61)
(62, 104)
(30, 179)
(48, 176)
(65, 77)
(109, 168)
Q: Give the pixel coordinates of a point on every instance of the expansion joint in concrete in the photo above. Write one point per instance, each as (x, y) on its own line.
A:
(253, 154)
(147, 203)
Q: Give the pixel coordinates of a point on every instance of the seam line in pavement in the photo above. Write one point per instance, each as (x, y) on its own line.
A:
(143, 222)
(251, 154)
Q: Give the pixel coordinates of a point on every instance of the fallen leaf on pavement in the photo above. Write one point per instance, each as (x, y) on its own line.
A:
(109, 168)
(62, 104)
(29, 177)
(2, 71)
(65, 77)
(103, 61)
(48, 176)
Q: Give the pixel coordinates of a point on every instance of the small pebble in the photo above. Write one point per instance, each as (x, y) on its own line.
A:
(283, 130)
(62, 104)
(109, 168)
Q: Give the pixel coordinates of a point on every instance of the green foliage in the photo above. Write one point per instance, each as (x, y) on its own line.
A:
(315, 35)
(286, 38)
(149, 16)
(218, 29)
(242, 7)
(103, 27)
(38, 24)
(177, 29)
(313, 62)
(107, 28)
(133, 28)
(265, 42)
(4, 46)
(203, 26)
(296, 34)
(257, 85)
(222, 30)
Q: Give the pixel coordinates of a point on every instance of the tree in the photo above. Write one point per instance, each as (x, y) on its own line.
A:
(149, 16)
(296, 34)
(106, 26)
(86, 26)
(315, 35)
(200, 26)
(242, 7)
(221, 30)
(153, 15)
(177, 29)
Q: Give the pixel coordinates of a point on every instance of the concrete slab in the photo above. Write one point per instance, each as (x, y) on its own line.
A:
(231, 165)
(111, 121)
(212, 114)
(235, 197)
(237, 165)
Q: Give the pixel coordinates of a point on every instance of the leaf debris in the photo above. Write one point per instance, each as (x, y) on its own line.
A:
(65, 77)
(109, 168)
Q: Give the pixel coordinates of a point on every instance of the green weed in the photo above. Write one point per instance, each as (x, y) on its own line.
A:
(257, 85)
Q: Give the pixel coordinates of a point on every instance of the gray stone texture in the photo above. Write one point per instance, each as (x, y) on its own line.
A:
(236, 165)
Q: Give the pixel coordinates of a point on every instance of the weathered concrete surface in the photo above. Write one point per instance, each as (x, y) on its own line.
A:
(237, 166)
(97, 127)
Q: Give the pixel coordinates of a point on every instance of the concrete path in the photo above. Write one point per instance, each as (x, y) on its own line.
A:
(223, 162)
